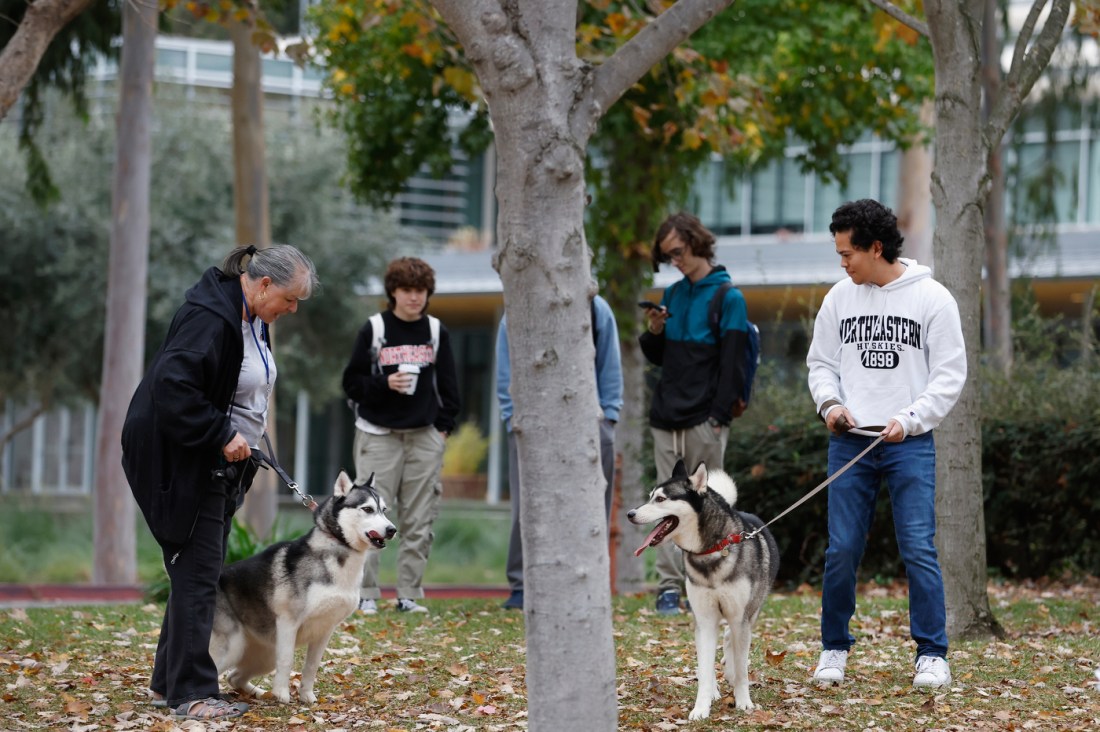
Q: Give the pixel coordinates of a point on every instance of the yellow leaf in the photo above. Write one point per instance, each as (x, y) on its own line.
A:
(616, 22)
(711, 99)
(692, 139)
(461, 80)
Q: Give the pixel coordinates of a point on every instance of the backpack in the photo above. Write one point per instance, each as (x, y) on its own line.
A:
(752, 348)
(378, 333)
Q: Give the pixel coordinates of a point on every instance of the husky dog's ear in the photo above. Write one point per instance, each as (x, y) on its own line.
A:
(680, 470)
(343, 485)
(370, 482)
(699, 478)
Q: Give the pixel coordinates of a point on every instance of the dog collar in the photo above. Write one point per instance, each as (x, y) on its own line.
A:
(721, 546)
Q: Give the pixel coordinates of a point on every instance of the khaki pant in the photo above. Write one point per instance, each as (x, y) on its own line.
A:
(695, 445)
(406, 465)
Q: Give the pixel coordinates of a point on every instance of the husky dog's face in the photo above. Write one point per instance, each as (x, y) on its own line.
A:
(360, 512)
(674, 504)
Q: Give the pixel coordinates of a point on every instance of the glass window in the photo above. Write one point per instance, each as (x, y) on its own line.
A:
(1093, 182)
(214, 62)
(765, 199)
(277, 68)
(1046, 187)
(729, 196)
(170, 59)
(889, 170)
(704, 198)
(792, 202)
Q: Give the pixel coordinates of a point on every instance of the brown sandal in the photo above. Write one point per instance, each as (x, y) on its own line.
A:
(211, 708)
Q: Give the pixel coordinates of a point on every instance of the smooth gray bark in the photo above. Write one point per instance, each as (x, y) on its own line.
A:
(545, 104)
(252, 210)
(115, 546)
(960, 187)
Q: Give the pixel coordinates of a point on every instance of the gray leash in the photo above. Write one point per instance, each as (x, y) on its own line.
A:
(855, 431)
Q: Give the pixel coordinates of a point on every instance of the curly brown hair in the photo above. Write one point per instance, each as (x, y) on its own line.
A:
(692, 233)
(410, 272)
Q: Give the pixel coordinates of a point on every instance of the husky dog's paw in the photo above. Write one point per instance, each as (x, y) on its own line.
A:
(701, 711)
(744, 704)
(282, 694)
(306, 696)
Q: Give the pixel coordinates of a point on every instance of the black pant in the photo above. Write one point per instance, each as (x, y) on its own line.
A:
(183, 670)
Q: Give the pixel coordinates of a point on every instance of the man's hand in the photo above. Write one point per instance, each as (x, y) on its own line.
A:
(839, 421)
(893, 432)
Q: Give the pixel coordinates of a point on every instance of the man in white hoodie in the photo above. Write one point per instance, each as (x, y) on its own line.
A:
(887, 356)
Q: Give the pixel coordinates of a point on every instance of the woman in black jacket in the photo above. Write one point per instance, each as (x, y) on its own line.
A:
(194, 419)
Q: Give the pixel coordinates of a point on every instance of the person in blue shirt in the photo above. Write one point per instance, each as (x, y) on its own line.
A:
(702, 376)
(609, 385)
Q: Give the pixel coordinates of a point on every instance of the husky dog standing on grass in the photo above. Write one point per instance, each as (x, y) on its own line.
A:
(295, 593)
(728, 575)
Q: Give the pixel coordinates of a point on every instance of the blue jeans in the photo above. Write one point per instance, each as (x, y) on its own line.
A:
(909, 469)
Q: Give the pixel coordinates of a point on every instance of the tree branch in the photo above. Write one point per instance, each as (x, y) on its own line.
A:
(901, 16)
(20, 57)
(616, 75)
(1027, 64)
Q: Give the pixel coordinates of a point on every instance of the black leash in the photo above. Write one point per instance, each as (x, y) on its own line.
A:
(307, 500)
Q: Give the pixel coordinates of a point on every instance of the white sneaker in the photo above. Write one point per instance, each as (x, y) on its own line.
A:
(932, 671)
(368, 607)
(405, 605)
(830, 667)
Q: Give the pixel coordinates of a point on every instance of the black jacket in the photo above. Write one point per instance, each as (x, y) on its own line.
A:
(436, 401)
(178, 420)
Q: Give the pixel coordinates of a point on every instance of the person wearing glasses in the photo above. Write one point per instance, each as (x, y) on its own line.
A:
(701, 376)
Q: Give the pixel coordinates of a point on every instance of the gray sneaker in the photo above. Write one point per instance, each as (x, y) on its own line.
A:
(405, 605)
(368, 606)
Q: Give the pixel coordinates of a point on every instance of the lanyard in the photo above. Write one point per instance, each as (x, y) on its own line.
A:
(260, 348)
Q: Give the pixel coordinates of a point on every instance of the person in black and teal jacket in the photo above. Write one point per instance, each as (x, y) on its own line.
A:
(702, 373)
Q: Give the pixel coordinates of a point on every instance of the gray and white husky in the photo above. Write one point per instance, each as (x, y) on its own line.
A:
(728, 575)
(295, 593)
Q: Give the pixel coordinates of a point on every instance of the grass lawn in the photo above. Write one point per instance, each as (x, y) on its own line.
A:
(462, 668)
(470, 548)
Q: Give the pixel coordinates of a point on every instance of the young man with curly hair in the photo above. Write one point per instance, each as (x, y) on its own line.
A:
(887, 356)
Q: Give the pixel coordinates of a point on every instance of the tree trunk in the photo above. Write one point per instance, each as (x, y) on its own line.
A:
(20, 57)
(543, 260)
(998, 301)
(630, 444)
(124, 338)
(958, 190)
(915, 195)
(250, 201)
(545, 103)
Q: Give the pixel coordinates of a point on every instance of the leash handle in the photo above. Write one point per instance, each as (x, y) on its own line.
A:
(879, 437)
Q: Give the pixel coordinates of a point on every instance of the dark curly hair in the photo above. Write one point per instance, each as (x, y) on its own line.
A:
(410, 272)
(692, 233)
(868, 221)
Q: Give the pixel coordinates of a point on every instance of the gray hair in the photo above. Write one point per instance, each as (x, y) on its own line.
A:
(283, 263)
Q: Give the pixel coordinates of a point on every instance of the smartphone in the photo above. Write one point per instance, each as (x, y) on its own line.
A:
(649, 305)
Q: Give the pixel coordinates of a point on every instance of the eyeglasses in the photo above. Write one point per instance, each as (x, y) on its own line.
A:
(677, 253)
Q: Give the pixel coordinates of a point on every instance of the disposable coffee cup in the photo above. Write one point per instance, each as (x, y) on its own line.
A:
(413, 370)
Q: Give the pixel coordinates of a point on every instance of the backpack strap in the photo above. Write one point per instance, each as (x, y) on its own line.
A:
(433, 326)
(714, 312)
(378, 339)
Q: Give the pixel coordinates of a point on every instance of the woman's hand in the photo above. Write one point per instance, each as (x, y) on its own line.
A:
(236, 449)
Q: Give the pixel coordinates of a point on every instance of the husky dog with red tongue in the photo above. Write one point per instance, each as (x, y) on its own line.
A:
(729, 572)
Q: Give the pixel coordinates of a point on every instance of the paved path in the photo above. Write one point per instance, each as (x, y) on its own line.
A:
(44, 595)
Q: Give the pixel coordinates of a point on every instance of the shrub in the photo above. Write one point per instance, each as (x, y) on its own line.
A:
(465, 452)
